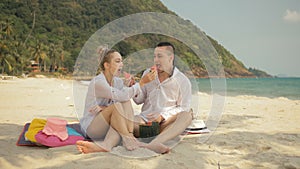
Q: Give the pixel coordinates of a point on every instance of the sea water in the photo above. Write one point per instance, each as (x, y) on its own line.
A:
(265, 87)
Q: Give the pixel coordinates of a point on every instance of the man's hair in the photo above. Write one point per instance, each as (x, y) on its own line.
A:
(168, 44)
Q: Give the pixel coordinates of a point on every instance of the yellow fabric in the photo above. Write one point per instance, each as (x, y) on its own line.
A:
(35, 126)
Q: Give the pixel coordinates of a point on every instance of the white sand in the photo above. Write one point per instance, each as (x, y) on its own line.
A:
(254, 132)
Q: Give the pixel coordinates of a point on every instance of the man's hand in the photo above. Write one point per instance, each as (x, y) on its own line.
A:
(155, 117)
(148, 78)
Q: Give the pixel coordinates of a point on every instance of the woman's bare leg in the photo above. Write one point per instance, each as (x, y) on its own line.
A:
(119, 116)
(137, 122)
(99, 129)
(128, 114)
(122, 121)
(112, 139)
(89, 147)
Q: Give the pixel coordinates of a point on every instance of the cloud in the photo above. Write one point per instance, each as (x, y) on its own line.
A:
(291, 16)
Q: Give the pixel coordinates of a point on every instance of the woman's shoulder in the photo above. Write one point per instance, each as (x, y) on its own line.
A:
(99, 77)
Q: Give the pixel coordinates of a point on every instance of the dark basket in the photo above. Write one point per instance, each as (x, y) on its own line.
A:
(149, 130)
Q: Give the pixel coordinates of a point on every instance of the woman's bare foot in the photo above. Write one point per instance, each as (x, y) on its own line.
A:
(89, 147)
(157, 147)
(131, 143)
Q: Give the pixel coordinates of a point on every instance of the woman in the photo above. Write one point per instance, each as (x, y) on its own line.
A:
(108, 112)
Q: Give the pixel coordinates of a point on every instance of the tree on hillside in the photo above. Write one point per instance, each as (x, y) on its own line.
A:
(39, 55)
(5, 44)
(8, 29)
(5, 58)
(32, 27)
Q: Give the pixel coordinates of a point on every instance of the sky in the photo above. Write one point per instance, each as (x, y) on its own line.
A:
(263, 34)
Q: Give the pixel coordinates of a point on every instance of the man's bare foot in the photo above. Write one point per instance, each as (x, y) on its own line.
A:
(131, 143)
(157, 147)
(89, 147)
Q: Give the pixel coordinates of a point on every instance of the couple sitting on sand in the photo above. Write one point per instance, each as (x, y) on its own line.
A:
(108, 116)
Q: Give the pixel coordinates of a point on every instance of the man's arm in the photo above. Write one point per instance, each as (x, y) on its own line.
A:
(186, 92)
(141, 96)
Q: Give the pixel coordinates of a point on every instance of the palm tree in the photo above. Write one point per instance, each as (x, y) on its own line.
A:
(8, 30)
(61, 56)
(40, 55)
(2, 24)
(3, 58)
(21, 55)
(36, 54)
(3, 62)
(52, 55)
(56, 55)
(44, 60)
(4, 46)
(32, 27)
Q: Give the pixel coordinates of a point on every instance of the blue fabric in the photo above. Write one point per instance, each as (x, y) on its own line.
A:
(72, 132)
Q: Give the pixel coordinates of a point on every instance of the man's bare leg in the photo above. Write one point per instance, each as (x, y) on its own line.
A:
(175, 126)
(157, 147)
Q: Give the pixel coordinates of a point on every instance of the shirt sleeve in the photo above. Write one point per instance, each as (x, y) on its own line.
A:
(103, 90)
(186, 95)
(141, 96)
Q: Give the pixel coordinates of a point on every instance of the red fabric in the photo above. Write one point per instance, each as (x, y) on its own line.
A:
(54, 141)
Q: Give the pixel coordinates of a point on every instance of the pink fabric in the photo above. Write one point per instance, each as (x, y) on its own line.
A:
(54, 141)
(56, 127)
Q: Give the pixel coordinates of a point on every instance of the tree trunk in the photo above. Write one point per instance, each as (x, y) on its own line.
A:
(33, 23)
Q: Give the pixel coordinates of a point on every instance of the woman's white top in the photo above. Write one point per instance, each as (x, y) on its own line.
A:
(102, 94)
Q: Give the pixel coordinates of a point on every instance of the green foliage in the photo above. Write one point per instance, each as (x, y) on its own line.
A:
(52, 33)
(258, 73)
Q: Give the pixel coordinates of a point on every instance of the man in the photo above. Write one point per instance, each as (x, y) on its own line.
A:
(165, 100)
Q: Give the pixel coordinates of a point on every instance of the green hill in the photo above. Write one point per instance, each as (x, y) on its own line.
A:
(50, 35)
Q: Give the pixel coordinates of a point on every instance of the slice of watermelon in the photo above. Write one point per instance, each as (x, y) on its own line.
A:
(154, 68)
(127, 75)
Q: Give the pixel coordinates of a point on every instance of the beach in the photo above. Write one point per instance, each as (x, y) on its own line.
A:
(254, 132)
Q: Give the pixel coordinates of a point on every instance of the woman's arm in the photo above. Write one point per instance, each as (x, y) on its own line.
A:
(103, 90)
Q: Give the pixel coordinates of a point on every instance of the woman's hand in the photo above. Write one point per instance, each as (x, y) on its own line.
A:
(129, 82)
(132, 82)
(128, 79)
(96, 109)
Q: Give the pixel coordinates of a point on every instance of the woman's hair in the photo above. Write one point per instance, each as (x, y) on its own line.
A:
(104, 54)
